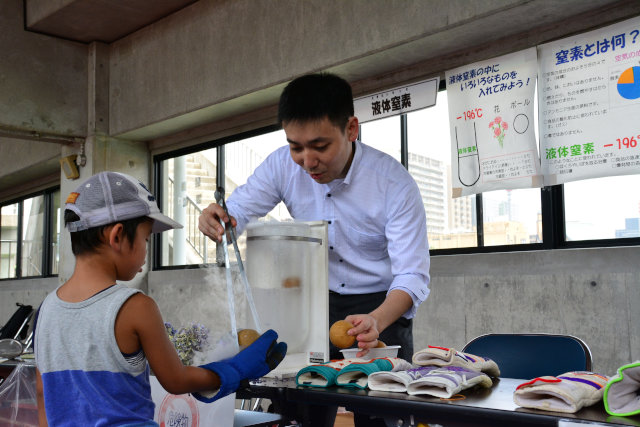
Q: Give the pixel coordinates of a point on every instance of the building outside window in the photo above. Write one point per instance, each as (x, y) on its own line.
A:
(188, 185)
(9, 239)
(602, 208)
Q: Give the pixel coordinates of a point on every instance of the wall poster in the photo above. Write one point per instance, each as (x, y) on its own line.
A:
(589, 97)
(491, 108)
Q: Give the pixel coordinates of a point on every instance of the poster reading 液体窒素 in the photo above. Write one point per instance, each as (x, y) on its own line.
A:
(589, 98)
(491, 107)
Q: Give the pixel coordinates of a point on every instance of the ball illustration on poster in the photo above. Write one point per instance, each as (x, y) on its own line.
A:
(521, 123)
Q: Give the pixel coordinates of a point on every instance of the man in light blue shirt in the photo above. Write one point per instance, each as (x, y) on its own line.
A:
(378, 249)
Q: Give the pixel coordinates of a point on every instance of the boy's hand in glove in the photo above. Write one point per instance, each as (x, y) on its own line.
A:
(253, 362)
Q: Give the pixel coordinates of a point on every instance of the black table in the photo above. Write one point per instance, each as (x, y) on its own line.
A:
(243, 418)
(492, 407)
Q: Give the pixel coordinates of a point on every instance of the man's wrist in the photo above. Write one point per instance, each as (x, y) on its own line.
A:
(378, 319)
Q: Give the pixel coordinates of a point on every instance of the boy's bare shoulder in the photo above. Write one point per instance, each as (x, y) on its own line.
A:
(138, 304)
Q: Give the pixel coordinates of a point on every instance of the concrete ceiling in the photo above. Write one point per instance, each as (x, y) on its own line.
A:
(96, 20)
(527, 24)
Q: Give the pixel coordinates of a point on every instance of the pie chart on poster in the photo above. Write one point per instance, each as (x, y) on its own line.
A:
(629, 83)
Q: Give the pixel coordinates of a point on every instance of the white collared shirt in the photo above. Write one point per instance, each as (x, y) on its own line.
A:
(377, 223)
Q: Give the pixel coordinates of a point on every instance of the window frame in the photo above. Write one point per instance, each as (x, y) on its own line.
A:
(48, 227)
(219, 145)
(552, 204)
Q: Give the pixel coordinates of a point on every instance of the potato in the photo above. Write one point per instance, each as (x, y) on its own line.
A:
(246, 337)
(291, 282)
(380, 344)
(338, 334)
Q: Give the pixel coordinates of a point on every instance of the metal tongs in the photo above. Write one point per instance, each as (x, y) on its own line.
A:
(219, 195)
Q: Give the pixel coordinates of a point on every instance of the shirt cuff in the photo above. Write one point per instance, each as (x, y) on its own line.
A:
(416, 286)
(240, 220)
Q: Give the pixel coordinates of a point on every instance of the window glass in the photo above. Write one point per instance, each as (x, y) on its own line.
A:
(512, 217)
(32, 236)
(602, 208)
(188, 185)
(451, 222)
(241, 160)
(9, 240)
(243, 157)
(383, 134)
(55, 232)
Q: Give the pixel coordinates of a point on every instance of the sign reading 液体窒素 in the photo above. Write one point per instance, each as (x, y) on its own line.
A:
(399, 100)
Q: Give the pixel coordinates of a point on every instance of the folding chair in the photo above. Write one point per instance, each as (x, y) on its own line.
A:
(526, 356)
(15, 330)
(17, 325)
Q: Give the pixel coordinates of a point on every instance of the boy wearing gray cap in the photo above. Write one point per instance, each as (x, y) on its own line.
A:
(95, 340)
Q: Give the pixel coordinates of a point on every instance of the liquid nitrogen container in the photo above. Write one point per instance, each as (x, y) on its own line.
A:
(287, 268)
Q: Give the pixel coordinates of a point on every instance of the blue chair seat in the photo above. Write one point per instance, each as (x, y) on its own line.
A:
(527, 356)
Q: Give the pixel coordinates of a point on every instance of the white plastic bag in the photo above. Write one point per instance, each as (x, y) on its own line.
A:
(18, 401)
(185, 410)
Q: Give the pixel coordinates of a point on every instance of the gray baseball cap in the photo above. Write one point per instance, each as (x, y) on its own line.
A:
(110, 197)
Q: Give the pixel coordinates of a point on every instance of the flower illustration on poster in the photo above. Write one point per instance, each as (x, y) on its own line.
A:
(499, 127)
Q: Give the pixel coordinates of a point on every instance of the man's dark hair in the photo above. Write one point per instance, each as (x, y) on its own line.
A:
(88, 241)
(314, 97)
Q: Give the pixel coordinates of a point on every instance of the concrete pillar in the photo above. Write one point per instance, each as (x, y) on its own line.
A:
(102, 154)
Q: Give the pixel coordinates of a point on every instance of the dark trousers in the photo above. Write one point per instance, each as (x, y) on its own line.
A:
(399, 333)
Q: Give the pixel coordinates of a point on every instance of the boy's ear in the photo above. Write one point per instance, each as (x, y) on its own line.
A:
(115, 236)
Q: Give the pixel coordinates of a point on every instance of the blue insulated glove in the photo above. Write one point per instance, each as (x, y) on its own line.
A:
(253, 362)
